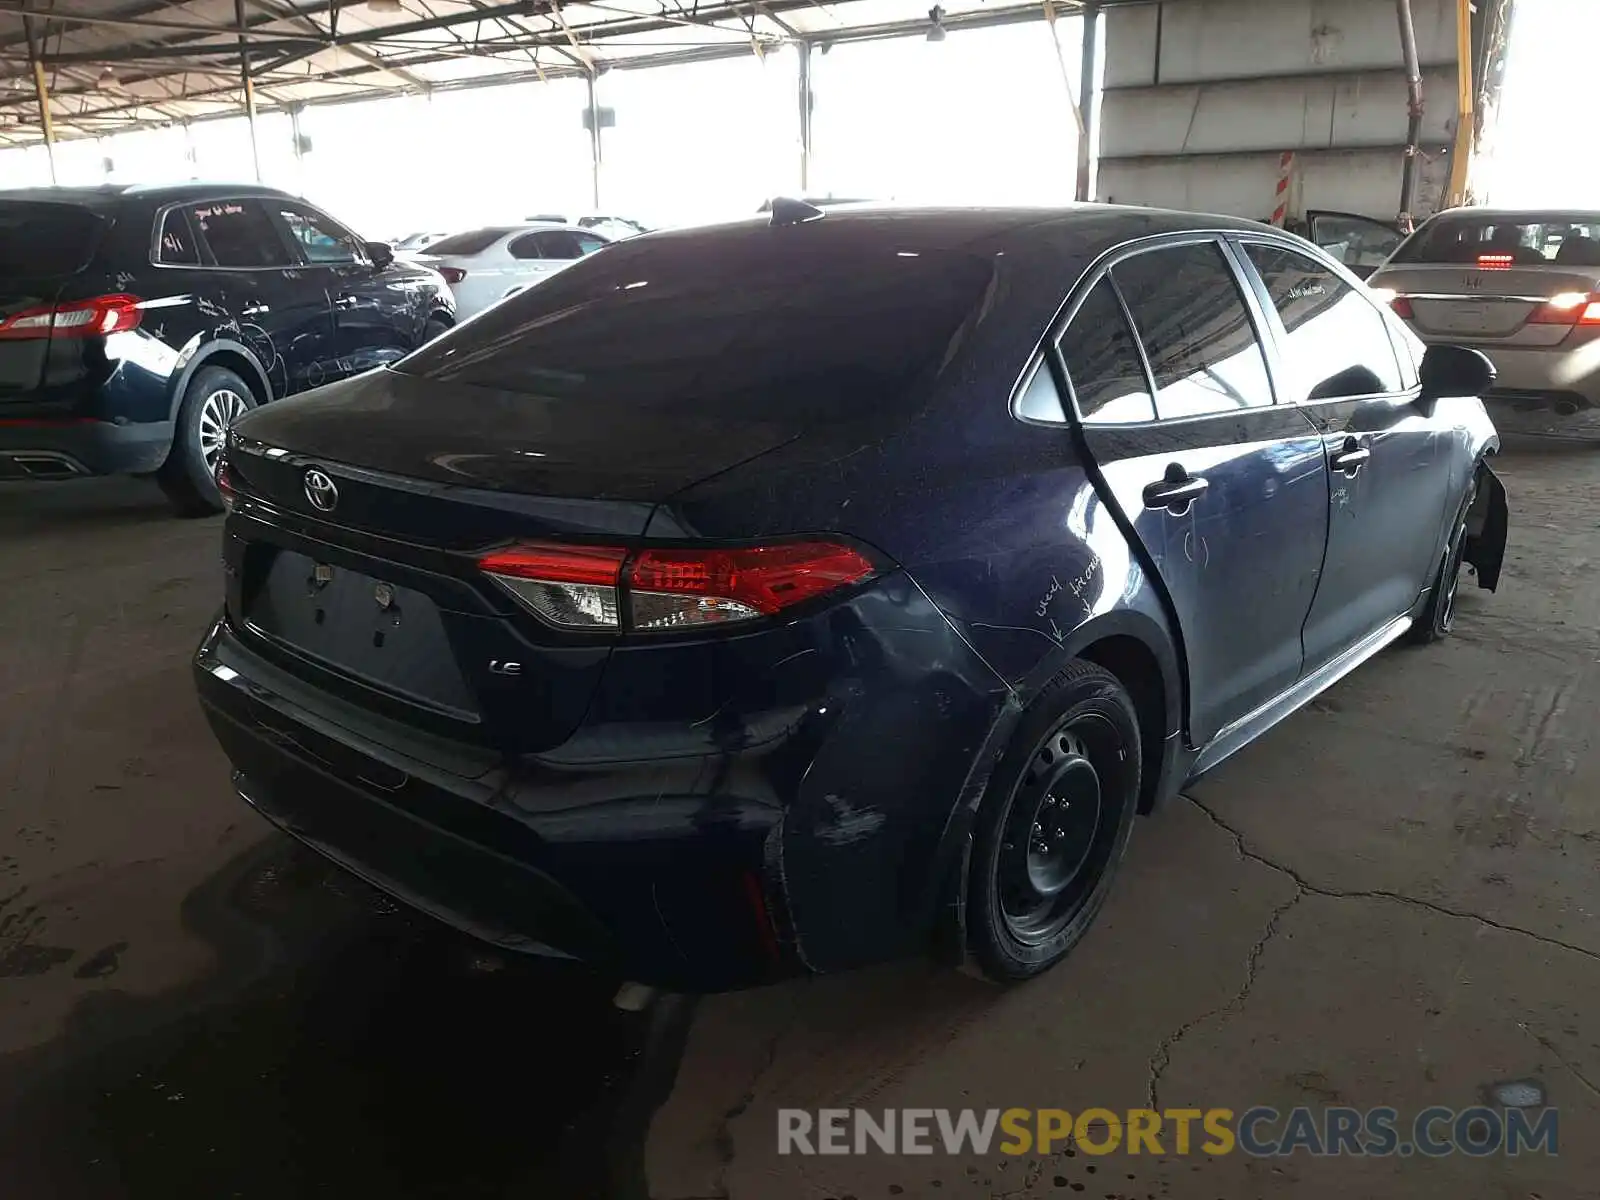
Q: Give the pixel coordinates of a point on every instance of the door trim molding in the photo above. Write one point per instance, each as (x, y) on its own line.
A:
(1241, 732)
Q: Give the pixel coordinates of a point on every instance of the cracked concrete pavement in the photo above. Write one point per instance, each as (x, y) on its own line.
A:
(1389, 900)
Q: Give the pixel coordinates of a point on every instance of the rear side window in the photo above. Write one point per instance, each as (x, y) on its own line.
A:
(1108, 380)
(842, 333)
(525, 247)
(474, 242)
(238, 233)
(1197, 333)
(588, 243)
(175, 245)
(1337, 342)
(44, 241)
(558, 243)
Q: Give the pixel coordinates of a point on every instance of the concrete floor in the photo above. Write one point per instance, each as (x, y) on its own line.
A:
(1389, 900)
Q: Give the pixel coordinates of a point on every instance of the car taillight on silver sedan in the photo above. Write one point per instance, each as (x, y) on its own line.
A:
(600, 587)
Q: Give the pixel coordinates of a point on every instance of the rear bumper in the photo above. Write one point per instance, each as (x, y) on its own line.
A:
(818, 848)
(61, 449)
(663, 888)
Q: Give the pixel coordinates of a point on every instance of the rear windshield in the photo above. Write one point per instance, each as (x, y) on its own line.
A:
(1571, 239)
(742, 327)
(475, 242)
(43, 241)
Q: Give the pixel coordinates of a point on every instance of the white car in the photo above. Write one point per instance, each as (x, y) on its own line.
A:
(612, 226)
(484, 266)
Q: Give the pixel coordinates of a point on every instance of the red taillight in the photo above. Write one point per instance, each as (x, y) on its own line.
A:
(226, 485)
(1591, 314)
(1496, 262)
(1402, 307)
(671, 588)
(452, 274)
(571, 586)
(582, 587)
(1567, 308)
(81, 319)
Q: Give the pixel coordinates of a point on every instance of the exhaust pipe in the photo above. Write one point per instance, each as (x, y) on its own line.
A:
(47, 466)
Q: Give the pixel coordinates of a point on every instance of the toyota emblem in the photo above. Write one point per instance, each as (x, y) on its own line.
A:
(321, 491)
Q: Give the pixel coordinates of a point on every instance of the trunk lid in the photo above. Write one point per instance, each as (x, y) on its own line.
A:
(1469, 303)
(380, 599)
(43, 246)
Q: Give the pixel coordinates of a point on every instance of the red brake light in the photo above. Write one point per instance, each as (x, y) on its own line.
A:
(452, 274)
(1591, 314)
(1402, 307)
(81, 319)
(581, 586)
(704, 586)
(1496, 262)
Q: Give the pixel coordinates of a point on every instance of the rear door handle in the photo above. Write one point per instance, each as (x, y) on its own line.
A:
(346, 302)
(1350, 458)
(1176, 491)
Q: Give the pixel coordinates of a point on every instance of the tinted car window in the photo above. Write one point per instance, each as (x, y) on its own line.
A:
(238, 233)
(1196, 331)
(319, 239)
(558, 243)
(793, 339)
(526, 246)
(1108, 380)
(45, 240)
(1338, 343)
(475, 242)
(175, 245)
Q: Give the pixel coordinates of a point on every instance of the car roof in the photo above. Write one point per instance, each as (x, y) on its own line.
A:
(110, 194)
(1068, 233)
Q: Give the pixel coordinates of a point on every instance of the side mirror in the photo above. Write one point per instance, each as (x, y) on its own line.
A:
(1454, 371)
(381, 253)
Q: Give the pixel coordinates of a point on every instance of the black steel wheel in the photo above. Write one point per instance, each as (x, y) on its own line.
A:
(1054, 824)
(1438, 616)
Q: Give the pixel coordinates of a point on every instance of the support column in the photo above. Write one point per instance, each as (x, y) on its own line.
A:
(249, 87)
(41, 89)
(595, 157)
(299, 149)
(1088, 103)
(1408, 175)
(805, 115)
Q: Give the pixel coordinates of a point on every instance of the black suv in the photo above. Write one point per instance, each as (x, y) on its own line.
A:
(137, 322)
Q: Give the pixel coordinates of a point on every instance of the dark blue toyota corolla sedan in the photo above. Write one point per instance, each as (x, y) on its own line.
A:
(789, 595)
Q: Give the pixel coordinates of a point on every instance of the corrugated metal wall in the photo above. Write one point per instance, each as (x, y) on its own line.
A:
(1202, 96)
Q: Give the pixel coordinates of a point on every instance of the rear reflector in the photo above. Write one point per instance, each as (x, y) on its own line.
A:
(226, 485)
(582, 587)
(82, 319)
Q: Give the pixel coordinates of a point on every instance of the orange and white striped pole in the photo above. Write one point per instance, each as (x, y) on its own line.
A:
(1280, 207)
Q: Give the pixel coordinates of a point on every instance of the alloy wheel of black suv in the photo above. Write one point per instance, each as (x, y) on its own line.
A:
(136, 323)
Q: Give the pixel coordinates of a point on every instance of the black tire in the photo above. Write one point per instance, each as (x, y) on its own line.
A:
(1053, 826)
(435, 327)
(1438, 615)
(215, 396)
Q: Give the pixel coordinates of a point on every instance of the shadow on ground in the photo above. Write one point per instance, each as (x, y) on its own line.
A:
(342, 1047)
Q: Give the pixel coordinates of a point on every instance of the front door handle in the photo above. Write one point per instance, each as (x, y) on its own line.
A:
(1175, 491)
(1350, 457)
(346, 302)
